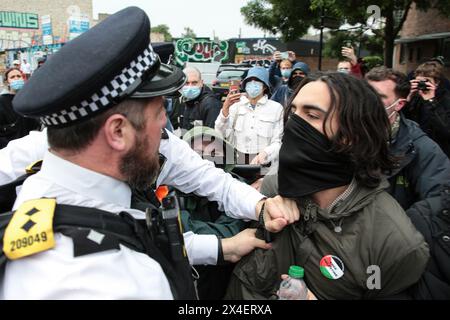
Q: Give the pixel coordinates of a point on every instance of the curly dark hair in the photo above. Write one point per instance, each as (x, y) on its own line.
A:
(364, 130)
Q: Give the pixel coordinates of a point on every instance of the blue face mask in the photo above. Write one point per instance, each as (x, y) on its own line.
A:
(190, 93)
(342, 70)
(286, 73)
(254, 88)
(16, 85)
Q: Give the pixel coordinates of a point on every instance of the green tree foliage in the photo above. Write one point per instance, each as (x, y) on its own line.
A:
(292, 18)
(163, 29)
(359, 41)
(188, 33)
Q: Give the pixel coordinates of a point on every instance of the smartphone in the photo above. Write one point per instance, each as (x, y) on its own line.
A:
(234, 86)
(348, 44)
(284, 55)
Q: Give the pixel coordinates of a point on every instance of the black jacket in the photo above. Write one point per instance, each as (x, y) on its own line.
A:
(433, 117)
(432, 218)
(205, 107)
(12, 125)
(423, 170)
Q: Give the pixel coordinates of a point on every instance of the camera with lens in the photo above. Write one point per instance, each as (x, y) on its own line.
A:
(422, 85)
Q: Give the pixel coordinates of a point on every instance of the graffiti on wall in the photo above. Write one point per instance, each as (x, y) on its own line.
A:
(10, 38)
(20, 20)
(198, 50)
(258, 46)
(263, 46)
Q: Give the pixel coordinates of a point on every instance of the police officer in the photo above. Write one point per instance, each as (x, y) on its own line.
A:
(105, 122)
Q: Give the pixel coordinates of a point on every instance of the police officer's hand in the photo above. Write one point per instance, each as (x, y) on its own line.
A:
(240, 245)
(278, 213)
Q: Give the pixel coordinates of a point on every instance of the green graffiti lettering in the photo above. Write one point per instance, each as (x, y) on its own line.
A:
(19, 20)
(191, 50)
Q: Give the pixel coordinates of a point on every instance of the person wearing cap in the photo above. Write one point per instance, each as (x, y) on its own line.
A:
(252, 122)
(16, 64)
(299, 71)
(104, 131)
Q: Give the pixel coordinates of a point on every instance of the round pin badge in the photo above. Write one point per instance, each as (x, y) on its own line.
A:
(332, 267)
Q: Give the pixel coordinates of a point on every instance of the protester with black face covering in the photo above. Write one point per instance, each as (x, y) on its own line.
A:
(284, 92)
(333, 155)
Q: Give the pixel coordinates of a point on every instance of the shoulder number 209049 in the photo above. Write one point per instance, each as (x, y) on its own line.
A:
(28, 241)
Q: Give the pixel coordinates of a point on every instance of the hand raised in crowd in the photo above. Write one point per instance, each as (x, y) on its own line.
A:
(231, 99)
(243, 243)
(261, 158)
(277, 56)
(430, 93)
(349, 53)
(278, 212)
(292, 57)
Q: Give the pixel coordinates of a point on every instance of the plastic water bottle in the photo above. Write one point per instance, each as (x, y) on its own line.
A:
(294, 287)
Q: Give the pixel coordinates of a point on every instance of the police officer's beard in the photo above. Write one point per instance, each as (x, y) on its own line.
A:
(138, 166)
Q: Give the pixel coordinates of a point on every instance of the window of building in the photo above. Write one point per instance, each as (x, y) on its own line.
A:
(402, 53)
(411, 54)
(446, 52)
(419, 54)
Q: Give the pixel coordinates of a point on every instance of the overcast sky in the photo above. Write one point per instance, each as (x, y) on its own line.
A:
(203, 16)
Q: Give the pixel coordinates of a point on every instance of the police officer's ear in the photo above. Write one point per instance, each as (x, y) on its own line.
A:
(118, 132)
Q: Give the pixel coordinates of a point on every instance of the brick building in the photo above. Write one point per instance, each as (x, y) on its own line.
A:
(59, 12)
(424, 35)
(31, 29)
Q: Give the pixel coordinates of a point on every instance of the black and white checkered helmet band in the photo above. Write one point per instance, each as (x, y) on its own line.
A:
(106, 95)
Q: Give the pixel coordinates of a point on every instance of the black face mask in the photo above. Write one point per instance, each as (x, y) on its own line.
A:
(306, 163)
(295, 81)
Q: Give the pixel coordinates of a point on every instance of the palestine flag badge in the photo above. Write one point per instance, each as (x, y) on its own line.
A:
(332, 267)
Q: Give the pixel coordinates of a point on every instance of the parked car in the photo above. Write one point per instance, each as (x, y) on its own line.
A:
(232, 66)
(258, 62)
(221, 85)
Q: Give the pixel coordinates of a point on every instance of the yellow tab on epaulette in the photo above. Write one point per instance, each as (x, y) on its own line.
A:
(30, 230)
(34, 167)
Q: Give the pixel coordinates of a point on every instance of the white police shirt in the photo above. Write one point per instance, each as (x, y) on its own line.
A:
(56, 273)
(252, 130)
(184, 170)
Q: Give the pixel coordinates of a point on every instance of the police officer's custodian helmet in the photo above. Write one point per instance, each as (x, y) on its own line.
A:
(112, 61)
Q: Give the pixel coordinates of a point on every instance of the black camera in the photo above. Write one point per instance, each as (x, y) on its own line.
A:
(422, 85)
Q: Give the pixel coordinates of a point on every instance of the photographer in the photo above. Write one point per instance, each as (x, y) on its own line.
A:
(429, 104)
(281, 67)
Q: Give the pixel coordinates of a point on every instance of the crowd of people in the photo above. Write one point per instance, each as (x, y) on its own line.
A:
(359, 176)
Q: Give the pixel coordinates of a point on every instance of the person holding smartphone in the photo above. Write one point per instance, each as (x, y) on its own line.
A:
(281, 67)
(250, 121)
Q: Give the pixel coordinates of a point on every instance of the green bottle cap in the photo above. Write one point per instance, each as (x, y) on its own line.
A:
(296, 272)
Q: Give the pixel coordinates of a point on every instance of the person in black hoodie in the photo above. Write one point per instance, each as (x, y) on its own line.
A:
(198, 106)
(429, 104)
(13, 125)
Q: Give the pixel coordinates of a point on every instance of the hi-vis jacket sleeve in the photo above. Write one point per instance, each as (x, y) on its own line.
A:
(188, 172)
